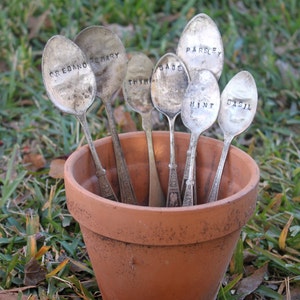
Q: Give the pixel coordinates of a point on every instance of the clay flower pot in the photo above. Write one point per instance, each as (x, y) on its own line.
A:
(141, 252)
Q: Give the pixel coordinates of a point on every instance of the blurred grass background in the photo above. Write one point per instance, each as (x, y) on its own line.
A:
(35, 226)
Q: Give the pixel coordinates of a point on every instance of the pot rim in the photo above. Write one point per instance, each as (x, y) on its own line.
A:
(240, 205)
(82, 150)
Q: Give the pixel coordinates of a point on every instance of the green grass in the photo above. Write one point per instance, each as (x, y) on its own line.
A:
(259, 36)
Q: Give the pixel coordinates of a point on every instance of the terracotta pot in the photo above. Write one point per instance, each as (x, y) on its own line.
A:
(140, 252)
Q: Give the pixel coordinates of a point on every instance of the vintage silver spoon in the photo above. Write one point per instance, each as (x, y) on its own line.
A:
(169, 82)
(200, 47)
(136, 90)
(238, 108)
(108, 60)
(200, 108)
(71, 86)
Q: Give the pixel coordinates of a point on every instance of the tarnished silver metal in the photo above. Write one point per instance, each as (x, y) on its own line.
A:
(200, 108)
(238, 108)
(71, 86)
(169, 82)
(136, 90)
(108, 59)
(200, 47)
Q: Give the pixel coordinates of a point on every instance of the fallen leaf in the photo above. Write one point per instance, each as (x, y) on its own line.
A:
(34, 272)
(57, 168)
(284, 233)
(287, 72)
(36, 23)
(275, 203)
(251, 283)
(58, 268)
(163, 18)
(122, 31)
(248, 270)
(248, 256)
(34, 161)
(25, 102)
(78, 266)
(42, 251)
(296, 199)
(124, 120)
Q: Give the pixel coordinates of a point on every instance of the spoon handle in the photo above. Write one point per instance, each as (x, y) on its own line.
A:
(213, 195)
(106, 191)
(126, 189)
(156, 195)
(173, 196)
(186, 174)
(188, 199)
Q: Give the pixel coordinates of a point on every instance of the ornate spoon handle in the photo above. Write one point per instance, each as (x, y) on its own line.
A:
(156, 196)
(106, 190)
(186, 175)
(213, 195)
(189, 199)
(126, 189)
(173, 196)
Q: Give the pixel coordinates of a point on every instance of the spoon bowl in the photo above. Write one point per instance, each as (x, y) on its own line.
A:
(136, 86)
(239, 104)
(67, 76)
(200, 46)
(107, 57)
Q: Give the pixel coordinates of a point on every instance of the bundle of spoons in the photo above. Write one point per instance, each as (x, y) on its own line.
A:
(96, 65)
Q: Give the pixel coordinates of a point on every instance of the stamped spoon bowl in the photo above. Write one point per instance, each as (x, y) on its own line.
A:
(201, 47)
(238, 107)
(71, 86)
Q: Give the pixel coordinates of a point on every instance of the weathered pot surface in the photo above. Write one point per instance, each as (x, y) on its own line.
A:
(141, 252)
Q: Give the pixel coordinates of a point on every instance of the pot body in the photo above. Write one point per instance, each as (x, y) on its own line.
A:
(141, 252)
